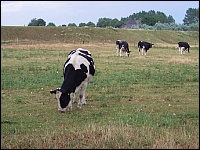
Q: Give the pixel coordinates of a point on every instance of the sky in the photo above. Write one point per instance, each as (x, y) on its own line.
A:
(20, 13)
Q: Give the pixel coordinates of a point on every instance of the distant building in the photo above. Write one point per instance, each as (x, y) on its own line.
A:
(131, 23)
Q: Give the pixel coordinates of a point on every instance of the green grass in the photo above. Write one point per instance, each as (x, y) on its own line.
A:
(132, 102)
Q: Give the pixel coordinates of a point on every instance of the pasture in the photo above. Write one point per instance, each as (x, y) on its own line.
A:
(132, 102)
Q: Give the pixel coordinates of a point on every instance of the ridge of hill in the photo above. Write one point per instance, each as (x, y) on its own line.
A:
(75, 35)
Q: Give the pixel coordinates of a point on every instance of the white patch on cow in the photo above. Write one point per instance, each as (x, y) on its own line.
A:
(58, 94)
(182, 50)
(121, 51)
(117, 50)
(144, 51)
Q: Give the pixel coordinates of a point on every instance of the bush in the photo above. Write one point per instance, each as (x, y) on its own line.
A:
(169, 26)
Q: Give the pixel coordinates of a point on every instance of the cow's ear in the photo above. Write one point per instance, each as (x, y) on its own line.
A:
(54, 91)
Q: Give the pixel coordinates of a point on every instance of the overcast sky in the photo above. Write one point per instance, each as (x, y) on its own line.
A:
(20, 13)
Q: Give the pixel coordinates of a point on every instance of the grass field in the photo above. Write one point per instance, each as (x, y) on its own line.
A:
(132, 102)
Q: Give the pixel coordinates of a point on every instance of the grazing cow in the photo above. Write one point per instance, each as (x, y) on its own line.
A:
(182, 47)
(145, 46)
(122, 46)
(78, 71)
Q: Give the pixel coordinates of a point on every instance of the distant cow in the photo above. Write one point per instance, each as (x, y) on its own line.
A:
(122, 46)
(182, 47)
(145, 46)
(78, 71)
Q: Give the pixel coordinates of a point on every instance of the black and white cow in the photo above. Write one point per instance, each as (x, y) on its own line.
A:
(78, 71)
(182, 47)
(145, 46)
(122, 46)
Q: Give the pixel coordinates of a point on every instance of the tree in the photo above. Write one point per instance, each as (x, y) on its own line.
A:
(149, 20)
(51, 24)
(90, 24)
(72, 25)
(191, 16)
(33, 22)
(104, 22)
(82, 24)
(161, 17)
(41, 22)
(37, 22)
(170, 19)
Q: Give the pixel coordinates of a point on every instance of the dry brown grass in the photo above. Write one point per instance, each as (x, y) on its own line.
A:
(183, 60)
(122, 136)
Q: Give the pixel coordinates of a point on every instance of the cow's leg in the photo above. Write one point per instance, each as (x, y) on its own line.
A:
(182, 48)
(138, 51)
(145, 52)
(121, 52)
(82, 99)
(70, 105)
(142, 51)
(74, 98)
(117, 50)
(82, 94)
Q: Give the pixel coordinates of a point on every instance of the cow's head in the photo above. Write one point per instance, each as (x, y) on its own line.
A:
(62, 98)
(128, 53)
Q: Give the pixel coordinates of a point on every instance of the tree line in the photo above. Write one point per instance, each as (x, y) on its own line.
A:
(148, 20)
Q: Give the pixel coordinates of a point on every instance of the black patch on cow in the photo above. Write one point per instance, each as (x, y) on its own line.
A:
(92, 70)
(84, 68)
(85, 52)
(64, 66)
(72, 52)
(91, 66)
(73, 78)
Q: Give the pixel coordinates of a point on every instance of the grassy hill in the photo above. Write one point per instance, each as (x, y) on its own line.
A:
(143, 102)
(76, 35)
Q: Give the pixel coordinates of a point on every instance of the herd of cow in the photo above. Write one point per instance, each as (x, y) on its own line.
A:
(122, 46)
(79, 69)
